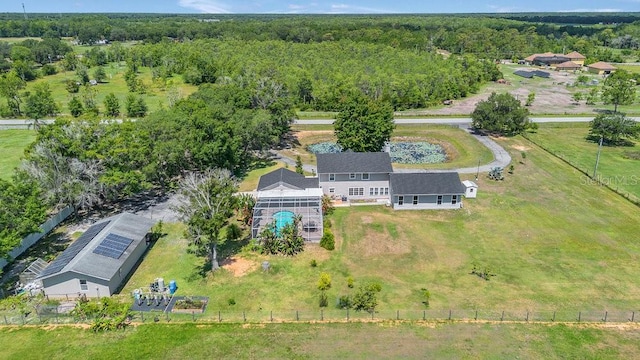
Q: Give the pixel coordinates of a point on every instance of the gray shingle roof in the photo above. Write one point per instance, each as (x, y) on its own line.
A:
(353, 162)
(286, 177)
(426, 184)
(80, 258)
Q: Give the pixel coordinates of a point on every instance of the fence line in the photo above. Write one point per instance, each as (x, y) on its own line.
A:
(53, 315)
(33, 238)
(626, 195)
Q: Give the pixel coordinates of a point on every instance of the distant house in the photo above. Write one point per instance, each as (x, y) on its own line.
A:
(551, 59)
(568, 66)
(355, 176)
(100, 260)
(426, 191)
(471, 189)
(601, 68)
(283, 194)
(576, 57)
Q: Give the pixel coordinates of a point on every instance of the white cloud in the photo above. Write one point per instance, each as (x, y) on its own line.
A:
(205, 6)
(351, 9)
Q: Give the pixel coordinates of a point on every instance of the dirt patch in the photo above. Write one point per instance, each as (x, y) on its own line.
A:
(375, 243)
(238, 266)
(303, 134)
(521, 148)
(366, 219)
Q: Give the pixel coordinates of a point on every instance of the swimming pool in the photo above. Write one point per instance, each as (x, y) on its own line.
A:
(282, 219)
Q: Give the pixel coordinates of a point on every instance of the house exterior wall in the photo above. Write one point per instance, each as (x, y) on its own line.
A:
(471, 192)
(68, 284)
(425, 202)
(128, 265)
(342, 183)
(578, 61)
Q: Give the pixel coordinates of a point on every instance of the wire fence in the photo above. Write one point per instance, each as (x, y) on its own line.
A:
(52, 315)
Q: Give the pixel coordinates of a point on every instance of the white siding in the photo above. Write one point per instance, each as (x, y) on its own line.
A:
(426, 202)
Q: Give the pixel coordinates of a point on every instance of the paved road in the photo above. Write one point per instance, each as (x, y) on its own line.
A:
(457, 120)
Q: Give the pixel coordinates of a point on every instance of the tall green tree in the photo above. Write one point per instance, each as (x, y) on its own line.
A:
(207, 202)
(619, 89)
(500, 114)
(111, 106)
(40, 103)
(614, 128)
(99, 74)
(364, 125)
(10, 86)
(136, 106)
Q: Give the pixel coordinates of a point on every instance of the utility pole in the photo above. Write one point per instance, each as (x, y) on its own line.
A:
(595, 170)
(24, 11)
(478, 172)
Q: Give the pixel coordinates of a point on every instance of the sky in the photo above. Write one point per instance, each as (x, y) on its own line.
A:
(317, 6)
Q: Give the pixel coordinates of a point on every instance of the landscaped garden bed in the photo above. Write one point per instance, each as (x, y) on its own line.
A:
(189, 304)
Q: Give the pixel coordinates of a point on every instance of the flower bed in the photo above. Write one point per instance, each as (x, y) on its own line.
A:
(419, 152)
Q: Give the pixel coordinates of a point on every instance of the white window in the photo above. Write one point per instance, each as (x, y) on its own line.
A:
(332, 190)
(400, 200)
(371, 191)
(356, 191)
(415, 200)
(83, 285)
(352, 176)
(332, 177)
(386, 191)
(439, 199)
(365, 176)
(454, 199)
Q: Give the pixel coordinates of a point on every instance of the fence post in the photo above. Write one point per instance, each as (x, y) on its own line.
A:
(372, 314)
(424, 314)
(347, 314)
(321, 314)
(554, 317)
(633, 315)
(527, 320)
(5, 320)
(397, 314)
(168, 316)
(605, 316)
(193, 316)
(579, 315)
(476, 318)
(297, 316)
(271, 315)
(219, 316)
(142, 316)
(449, 314)
(56, 315)
(23, 316)
(502, 316)
(244, 316)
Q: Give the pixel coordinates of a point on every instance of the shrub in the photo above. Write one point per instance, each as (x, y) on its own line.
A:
(350, 282)
(233, 232)
(231, 301)
(426, 296)
(324, 300)
(365, 298)
(328, 240)
(324, 283)
(344, 302)
(313, 263)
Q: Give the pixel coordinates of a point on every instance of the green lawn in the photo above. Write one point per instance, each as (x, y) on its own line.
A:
(553, 241)
(156, 95)
(568, 141)
(325, 341)
(12, 145)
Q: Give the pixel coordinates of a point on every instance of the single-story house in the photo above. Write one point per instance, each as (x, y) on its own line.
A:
(568, 66)
(100, 260)
(283, 194)
(551, 61)
(471, 189)
(601, 68)
(355, 176)
(529, 59)
(411, 191)
(576, 57)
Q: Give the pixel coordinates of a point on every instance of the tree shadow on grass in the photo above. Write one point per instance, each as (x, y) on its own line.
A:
(226, 250)
(617, 143)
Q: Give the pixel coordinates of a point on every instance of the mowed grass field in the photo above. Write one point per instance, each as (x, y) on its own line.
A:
(462, 149)
(387, 340)
(617, 167)
(553, 241)
(155, 96)
(12, 145)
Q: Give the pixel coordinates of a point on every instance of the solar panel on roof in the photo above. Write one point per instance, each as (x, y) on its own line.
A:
(113, 246)
(63, 259)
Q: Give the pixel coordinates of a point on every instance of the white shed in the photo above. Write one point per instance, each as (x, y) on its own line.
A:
(471, 189)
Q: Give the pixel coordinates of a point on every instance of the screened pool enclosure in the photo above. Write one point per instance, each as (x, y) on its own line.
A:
(281, 205)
